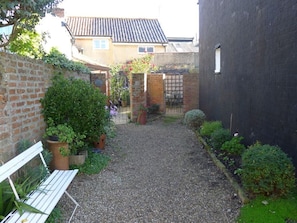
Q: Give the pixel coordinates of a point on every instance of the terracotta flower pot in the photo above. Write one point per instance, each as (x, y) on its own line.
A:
(142, 117)
(101, 143)
(59, 162)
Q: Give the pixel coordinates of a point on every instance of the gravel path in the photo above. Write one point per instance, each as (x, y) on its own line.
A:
(159, 173)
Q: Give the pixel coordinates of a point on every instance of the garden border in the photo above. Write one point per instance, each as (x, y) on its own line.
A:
(241, 194)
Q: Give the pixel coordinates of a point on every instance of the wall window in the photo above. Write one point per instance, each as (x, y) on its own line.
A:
(218, 59)
(100, 43)
(145, 49)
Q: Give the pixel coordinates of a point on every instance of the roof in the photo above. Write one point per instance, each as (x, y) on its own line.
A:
(181, 44)
(121, 30)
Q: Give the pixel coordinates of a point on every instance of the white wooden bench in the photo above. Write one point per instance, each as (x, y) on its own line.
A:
(48, 193)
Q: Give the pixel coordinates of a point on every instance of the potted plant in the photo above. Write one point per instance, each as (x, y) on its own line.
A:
(58, 138)
(100, 141)
(77, 103)
(142, 115)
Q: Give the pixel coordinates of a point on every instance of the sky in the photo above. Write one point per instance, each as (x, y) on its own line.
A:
(177, 18)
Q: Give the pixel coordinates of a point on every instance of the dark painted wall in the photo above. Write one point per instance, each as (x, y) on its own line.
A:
(257, 86)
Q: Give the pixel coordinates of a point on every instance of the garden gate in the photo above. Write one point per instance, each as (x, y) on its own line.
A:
(174, 93)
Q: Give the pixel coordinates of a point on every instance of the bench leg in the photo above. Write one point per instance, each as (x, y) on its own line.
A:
(75, 202)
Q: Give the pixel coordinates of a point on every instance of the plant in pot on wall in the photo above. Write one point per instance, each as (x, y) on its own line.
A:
(58, 138)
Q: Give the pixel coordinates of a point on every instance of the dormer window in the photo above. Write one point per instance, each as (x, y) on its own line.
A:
(100, 44)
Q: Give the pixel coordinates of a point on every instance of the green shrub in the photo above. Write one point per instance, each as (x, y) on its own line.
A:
(233, 146)
(218, 137)
(209, 127)
(194, 118)
(154, 109)
(267, 170)
(76, 103)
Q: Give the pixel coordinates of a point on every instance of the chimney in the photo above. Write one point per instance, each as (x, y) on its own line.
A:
(59, 12)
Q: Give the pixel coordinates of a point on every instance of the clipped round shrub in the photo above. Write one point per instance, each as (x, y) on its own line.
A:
(267, 170)
(218, 137)
(233, 146)
(208, 127)
(194, 118)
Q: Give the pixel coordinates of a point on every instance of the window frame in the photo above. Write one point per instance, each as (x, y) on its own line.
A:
(103, 44)
(218, 59)
(145, 49)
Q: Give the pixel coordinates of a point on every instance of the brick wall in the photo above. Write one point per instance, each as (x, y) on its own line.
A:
(191, 91)
(138, 92)
(156, 89)
(23, 82)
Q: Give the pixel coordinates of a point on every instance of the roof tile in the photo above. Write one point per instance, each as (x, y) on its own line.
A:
(121, 30)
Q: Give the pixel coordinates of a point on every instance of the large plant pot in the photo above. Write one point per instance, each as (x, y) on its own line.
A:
(101, 143)
(78, 159)
(59, 162)
(142, 117)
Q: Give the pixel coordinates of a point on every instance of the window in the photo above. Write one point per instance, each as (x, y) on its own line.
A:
(100, 43)
(218, 59)
(145, 49)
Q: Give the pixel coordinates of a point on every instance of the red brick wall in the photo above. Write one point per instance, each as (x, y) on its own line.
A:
(138, 93)
(156, 89)
(191, 91)
(23, 82)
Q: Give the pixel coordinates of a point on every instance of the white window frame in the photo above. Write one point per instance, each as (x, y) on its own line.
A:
(146, 49)
(218, 59)
(100, 44)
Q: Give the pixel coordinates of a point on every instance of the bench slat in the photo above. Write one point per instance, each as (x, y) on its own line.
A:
(20, 160)
(47, 196)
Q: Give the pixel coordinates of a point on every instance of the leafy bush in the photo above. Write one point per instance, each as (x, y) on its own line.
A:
(208, 127)
(267, 170)
(194, 118)
(76, 103)
(218, 137)
(154, 109)
(60, 60)
(233, 146)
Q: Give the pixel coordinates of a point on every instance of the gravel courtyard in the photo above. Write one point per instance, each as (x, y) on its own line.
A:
(159, 173)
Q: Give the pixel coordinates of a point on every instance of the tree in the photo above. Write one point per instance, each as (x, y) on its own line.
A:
(22, 15)
(27, 43)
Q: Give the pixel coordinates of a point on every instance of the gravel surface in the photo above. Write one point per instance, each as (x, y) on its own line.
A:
(159, 173)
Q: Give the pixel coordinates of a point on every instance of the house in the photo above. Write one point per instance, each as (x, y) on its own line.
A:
(116, 40)
(248, 69)
(52, 27)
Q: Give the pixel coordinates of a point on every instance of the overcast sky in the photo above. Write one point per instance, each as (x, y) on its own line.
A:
(177, 18)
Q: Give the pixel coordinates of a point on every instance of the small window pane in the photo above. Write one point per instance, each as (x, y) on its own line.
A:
(141, 49)
(150, 49)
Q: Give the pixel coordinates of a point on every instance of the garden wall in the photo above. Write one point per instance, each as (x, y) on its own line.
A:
(23, 82)
(190, 91)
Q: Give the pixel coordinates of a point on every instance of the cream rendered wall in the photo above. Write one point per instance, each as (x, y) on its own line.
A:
(56, 35)
(102, 56)
(122, 53)
(117, 53)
